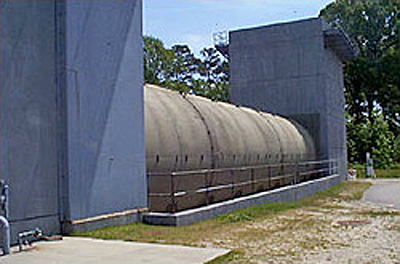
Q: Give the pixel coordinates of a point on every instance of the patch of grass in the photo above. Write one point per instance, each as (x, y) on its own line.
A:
(258, 211)
(227, 258)
(345, 191)
(389, 173)
(184, 235)
(392, 172)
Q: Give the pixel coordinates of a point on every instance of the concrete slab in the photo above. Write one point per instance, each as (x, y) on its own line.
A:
(85, 250)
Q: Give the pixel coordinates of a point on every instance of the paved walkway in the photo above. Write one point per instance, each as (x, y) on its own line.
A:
(83, 250)
(384, 192)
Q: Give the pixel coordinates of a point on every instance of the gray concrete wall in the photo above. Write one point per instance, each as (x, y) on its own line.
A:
(286, 69)
(28, 124)
(72, 114)
(106, 160)
(335, 101)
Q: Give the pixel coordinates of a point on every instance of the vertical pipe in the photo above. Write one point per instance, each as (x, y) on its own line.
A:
(4, 219)
(6, 193)
(6, 235)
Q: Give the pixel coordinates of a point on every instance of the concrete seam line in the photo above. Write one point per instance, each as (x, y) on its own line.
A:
(107, 216)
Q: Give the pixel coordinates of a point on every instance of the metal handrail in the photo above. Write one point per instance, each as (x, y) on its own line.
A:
(242, 168)
(299, 172)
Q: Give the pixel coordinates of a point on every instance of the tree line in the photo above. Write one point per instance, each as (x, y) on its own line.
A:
(179, 69)
(372, 81)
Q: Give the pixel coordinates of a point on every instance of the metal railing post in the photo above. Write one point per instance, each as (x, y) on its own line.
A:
(207, 185)
(173, 203)
(252, 180)
(269, 178)
(232, 183)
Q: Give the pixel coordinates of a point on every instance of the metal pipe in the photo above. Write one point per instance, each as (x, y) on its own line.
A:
(4, 219)
(6, 193)
(6, 235)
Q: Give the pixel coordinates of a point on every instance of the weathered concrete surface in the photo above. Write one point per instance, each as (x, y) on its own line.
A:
(72, 113)
(80, 250)
(105, 108)
(384, 192)
(287, 69)
(28, 114)
(227, 136)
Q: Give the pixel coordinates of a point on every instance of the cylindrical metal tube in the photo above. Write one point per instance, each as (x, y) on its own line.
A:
(186, 132)
(6, 235)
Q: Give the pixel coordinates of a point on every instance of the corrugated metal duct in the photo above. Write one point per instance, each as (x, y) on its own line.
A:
(186, 132)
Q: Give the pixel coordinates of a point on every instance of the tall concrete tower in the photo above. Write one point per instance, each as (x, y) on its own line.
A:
(296, 70)
(70, 73)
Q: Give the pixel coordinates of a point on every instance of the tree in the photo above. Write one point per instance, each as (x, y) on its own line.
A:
(214, 76)
(371, 81)
(157, 61)
(178, 69)
(360, 134)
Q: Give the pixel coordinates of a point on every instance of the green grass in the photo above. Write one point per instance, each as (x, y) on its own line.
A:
(196, 233)
(389, 173)
(256, 212)
(392, 172)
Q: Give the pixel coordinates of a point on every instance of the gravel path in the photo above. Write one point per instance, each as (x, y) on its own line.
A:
(372, 238)
(334, 231)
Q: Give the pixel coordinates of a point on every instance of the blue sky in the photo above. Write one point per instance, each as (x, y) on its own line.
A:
(194, 22)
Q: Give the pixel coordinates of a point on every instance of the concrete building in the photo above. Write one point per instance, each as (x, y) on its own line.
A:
(70, 71)
(296, 70)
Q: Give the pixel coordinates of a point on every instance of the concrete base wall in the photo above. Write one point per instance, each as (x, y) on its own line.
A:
(284, 194)
(115, 219)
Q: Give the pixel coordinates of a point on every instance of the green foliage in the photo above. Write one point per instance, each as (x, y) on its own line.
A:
(157, 61)
(374, 137)
(397, 148)
(372, 80)
(382, 142)
(180, 70)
